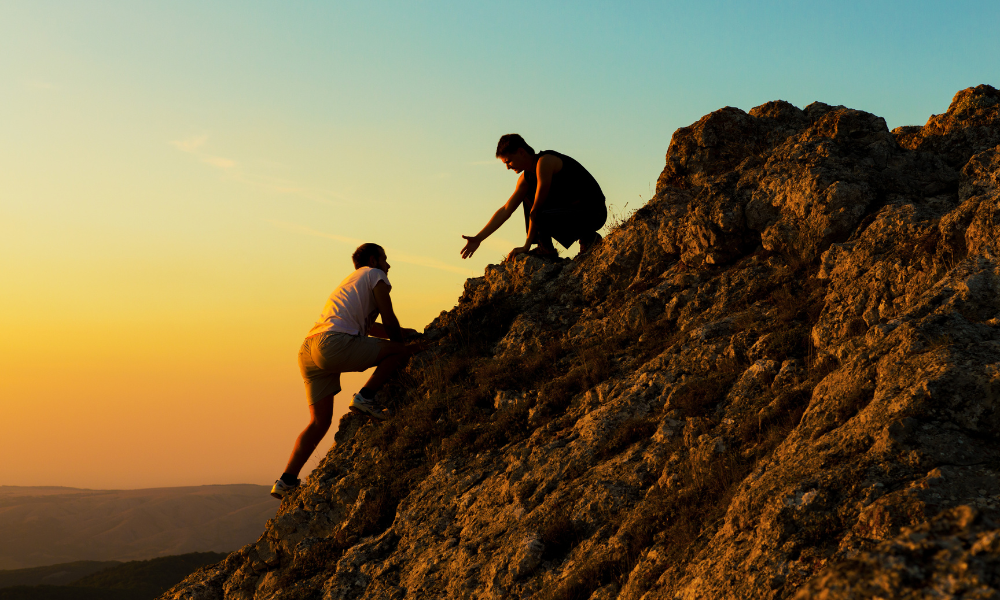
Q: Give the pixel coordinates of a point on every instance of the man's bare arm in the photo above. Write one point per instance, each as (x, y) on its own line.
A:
(547, 166)
(500, 217)
(390, 324)
(378, 330)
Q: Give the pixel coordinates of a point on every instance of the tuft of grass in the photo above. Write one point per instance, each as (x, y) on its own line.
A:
(699, 395)
(762, 435)
(938, 342)
(560, 535)
(658, 337)
(443, 373)
(592, 366)
(855, 401)
(628, 433)
(476, 330)
(509, 426)
(581, 583)
(518, 372)
(618, 218)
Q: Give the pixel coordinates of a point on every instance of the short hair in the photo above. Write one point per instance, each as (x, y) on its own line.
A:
(510, 143)
(364, 253)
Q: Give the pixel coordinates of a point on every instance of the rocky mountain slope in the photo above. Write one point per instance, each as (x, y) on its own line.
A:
(778, 379)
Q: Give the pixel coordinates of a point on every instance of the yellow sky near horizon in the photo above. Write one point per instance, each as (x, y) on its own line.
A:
(159, 298)
(158, 289)
(133, 365)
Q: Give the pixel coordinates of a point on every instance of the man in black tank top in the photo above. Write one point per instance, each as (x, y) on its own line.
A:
(560, 199)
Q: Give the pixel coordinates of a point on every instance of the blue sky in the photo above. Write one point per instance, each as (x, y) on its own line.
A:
(181, 183)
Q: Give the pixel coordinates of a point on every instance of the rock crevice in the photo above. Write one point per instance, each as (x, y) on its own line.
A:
(780, 378)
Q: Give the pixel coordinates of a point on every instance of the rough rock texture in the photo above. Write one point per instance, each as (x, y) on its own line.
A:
(779, 378)
(954, 555)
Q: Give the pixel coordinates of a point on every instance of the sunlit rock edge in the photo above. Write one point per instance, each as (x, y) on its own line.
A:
(779, 378)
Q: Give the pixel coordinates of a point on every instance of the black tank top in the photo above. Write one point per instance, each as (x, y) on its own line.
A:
(572, 185)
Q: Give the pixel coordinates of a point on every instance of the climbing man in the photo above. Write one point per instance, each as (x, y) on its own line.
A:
(560, 199)
(339, 342)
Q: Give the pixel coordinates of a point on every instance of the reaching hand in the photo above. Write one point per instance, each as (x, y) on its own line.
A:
(471, 244)
(417, 347)
(516, 251)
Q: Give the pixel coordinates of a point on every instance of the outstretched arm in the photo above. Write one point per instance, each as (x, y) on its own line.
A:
(499, 218)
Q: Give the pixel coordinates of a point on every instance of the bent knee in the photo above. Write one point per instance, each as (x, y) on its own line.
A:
(388, 349)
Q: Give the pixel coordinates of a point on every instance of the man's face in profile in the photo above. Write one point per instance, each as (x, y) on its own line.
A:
(381, 262)
(517, 162)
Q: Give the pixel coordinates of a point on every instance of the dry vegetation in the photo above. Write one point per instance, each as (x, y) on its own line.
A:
(446, 411)
(681, 403)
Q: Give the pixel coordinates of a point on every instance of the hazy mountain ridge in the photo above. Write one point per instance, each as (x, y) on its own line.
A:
(135, 580)
(45, 526)
(776, 379)
(60, 574)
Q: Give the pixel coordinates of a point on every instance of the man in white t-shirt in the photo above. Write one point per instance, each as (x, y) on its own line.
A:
(347, 338)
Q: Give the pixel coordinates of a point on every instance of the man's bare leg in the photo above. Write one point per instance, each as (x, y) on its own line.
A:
(320, 416)
(391, 357)
(587, 246)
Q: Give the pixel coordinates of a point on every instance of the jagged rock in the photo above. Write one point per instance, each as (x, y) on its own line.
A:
(968, 127)
(780, 378)
(955, 555)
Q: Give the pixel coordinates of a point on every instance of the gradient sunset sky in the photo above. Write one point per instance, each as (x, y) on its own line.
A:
(182, 183)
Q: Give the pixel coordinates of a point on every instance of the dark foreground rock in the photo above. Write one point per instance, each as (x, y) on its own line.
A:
(778, 378)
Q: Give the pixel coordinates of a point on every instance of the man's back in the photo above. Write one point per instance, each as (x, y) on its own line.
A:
(572, 185)
(351, 307)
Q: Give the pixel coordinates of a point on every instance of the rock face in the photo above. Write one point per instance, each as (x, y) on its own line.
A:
(780, 378)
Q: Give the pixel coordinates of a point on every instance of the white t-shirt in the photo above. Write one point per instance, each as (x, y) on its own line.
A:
(351, 307)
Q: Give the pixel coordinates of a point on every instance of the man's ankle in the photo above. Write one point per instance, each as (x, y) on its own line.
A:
(367, 393)
(541, 250)
(589, 240)
(289, 479)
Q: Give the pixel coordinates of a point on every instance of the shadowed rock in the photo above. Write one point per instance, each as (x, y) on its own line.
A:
(779, 378)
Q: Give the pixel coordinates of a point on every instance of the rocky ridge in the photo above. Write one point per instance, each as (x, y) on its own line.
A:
(774, 380)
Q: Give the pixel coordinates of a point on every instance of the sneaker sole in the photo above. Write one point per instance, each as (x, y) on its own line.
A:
(358, 411)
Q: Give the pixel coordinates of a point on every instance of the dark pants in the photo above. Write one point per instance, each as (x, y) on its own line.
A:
(568, 224)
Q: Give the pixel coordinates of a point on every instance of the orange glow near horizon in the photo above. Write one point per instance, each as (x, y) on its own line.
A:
(127, 371)
(120, 409)
(182, 184)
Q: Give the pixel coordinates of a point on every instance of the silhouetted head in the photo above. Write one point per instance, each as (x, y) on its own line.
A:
(370, 255)
(510, 143)
(515, 152)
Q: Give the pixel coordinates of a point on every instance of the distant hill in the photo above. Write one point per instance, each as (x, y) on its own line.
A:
(134, 580)
(52, 525)
(60, 574)
(58, 592)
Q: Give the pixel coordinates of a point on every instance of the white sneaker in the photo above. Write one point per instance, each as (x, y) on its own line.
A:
(364, 406)
(280, 489)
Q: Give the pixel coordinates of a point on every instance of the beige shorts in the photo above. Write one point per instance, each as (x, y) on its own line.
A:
(322, 358)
